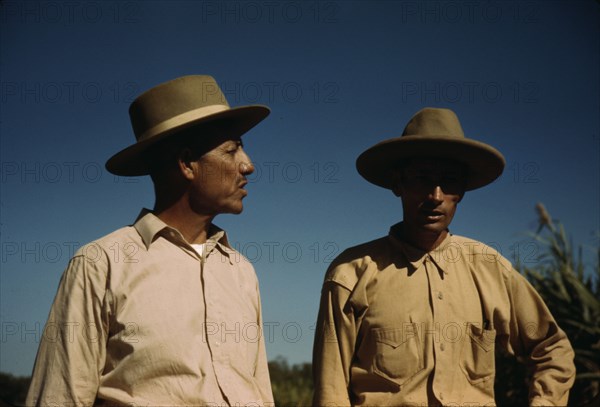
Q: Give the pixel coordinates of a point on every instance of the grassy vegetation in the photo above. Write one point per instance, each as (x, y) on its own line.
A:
(572, 292)
(13, 390)
(292, 385)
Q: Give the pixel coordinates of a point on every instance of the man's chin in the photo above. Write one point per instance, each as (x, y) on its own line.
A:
(434, 227)
(236, 210)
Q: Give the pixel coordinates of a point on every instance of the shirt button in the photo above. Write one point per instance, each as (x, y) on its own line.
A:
(440, 295)
(442, 347)
(217, 343)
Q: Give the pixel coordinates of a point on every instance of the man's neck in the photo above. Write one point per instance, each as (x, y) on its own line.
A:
(423, 239)
(192, 226)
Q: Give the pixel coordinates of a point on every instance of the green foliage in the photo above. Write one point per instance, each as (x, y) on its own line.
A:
(572, 295)
(13, 390)
(292, 386)
(512, 381)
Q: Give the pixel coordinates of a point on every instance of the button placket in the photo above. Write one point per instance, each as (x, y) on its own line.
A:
(441, 348)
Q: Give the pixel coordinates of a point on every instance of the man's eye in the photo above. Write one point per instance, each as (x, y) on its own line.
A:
(452, 180)
(234, 149)
(423, 180)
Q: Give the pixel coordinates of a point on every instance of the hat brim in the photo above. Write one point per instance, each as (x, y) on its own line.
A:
(237, 121)
(484, 163)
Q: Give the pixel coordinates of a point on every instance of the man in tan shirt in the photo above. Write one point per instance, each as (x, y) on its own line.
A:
(164, 312)
(414, 318)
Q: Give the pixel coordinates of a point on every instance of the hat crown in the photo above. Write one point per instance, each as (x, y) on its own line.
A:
(434, 122)
(175, 98)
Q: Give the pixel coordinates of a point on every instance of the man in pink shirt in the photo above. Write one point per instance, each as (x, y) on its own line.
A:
(165, 312)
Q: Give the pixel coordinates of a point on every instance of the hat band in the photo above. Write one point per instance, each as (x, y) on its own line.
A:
(182, 119)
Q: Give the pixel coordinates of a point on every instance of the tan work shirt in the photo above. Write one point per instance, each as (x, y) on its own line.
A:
(399, 326)
(141, 319)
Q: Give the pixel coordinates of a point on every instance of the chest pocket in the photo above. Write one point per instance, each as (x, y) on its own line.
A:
(398, 353)
(477, 358)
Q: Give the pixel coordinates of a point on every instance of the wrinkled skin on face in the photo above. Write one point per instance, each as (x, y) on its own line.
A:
(219, 178)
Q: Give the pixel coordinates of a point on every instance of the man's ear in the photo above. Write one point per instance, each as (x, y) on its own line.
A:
(186, 163)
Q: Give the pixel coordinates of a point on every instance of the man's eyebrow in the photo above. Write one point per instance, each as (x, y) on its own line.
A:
(234, 142)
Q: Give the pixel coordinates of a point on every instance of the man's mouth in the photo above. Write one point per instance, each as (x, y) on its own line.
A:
(241, 187)
(433, 215)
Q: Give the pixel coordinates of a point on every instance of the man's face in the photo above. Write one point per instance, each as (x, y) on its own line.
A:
(430, 190)
(219, 178)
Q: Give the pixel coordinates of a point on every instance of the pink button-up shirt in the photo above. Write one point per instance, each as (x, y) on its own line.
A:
(140, 318)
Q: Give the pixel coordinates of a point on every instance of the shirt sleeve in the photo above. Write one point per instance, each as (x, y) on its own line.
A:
(335, 339)
(71, 354)
(536, 336)
(261, 373)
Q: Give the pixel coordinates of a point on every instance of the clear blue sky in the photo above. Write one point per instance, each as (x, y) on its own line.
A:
(339, 76)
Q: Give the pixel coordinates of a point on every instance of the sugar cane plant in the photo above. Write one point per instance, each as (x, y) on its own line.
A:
(571, 290)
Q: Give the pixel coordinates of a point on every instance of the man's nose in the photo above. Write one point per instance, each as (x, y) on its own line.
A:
(437, 195)
(246, 166)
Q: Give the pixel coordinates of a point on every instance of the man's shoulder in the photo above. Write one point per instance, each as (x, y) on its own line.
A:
(477, 251)
(350, 265)
(363, 250)
(473, 244)
(115, 241)
(237, 257)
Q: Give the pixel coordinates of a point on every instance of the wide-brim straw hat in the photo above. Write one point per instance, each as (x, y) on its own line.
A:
(165, 110)
(431, 133)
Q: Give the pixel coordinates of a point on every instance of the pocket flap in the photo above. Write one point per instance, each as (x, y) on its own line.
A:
(397, 354)
(395, 337)
(485, 338)
(391, 342)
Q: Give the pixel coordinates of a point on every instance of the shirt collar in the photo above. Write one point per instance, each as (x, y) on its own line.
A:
(150, 227)
(415, 256)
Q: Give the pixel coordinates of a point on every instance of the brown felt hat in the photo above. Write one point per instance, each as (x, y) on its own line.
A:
(165, 110)
(431, 133)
